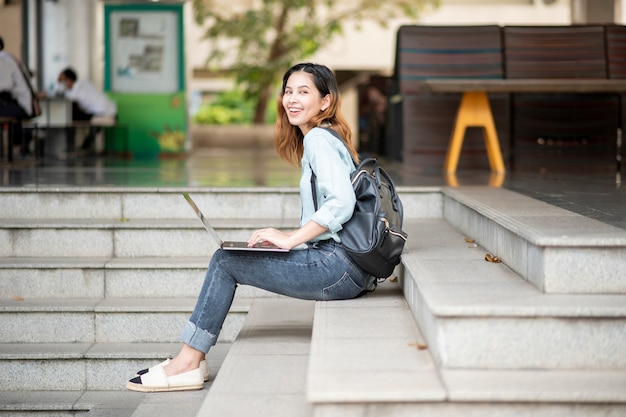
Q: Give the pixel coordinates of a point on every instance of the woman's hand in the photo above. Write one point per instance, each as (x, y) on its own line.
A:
(286, 240)
(270, 236)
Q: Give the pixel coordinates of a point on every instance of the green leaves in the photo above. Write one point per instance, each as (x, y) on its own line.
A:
(229, 108)
(258, 44)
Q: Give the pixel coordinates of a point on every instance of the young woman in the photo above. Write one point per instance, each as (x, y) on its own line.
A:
(309, 99)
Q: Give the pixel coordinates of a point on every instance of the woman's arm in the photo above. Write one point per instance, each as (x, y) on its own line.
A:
(331, 163)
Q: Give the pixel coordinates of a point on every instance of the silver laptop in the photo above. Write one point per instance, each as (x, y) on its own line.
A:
(230, 245)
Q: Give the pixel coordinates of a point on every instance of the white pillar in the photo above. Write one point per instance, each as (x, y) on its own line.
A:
(67, 38)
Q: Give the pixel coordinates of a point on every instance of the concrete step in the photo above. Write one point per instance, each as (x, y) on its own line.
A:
(82, 277)
(556, 250)
(264, 373)
(105, 320)
(89, 275)
(481, 315)
(68, 403)
(100, 383)
(83, 366)
(102, 222)
(368, 357)
(134, 203)
(369, 350)
(132, 238)
(131, 203)
(56, 277)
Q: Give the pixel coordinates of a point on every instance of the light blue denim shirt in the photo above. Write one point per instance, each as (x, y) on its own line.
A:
(332, 165)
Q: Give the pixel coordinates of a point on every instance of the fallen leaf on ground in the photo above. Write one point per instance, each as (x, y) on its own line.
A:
(490, 258)
(419, 345)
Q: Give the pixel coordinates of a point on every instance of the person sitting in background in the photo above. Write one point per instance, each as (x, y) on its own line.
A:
(16, 94)
(88, 103)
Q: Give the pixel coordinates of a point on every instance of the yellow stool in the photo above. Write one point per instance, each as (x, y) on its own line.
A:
(474, 111)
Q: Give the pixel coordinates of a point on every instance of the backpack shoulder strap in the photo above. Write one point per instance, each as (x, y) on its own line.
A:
(314, 177)
(335, 134)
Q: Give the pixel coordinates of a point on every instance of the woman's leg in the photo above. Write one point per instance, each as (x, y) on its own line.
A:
(187, 359)
(321, 272)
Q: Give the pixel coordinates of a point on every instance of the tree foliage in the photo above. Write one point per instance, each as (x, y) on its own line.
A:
(256, 44)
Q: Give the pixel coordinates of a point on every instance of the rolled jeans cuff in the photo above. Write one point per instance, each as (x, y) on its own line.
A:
(197, 338)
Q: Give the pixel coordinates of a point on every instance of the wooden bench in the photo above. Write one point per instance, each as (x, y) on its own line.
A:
(106, 124)
(57, 114)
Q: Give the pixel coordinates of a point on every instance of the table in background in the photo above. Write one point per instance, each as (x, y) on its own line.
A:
(475, 111)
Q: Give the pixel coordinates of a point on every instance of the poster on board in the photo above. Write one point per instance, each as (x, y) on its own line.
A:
(144, 55)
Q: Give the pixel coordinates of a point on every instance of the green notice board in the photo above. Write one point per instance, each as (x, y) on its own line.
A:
(155, 123)
(144, 74)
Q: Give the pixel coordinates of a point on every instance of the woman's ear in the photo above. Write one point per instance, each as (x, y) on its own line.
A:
(325, 102)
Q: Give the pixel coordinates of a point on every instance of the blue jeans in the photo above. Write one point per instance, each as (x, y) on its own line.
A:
(322, 271)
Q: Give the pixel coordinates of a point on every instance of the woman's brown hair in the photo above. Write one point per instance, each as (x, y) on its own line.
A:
(288, 139)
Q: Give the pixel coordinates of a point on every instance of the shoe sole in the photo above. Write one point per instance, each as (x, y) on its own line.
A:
(143, 388)
(206, 378)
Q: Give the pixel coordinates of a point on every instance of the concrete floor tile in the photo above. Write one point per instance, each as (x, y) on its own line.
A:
(374, 386)
(243, 405)
(553, 386)
(272, 341)
(263, 374)
(392, 322)
(372, 354)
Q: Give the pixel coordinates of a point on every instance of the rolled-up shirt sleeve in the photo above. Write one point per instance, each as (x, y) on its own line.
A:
(332, 165)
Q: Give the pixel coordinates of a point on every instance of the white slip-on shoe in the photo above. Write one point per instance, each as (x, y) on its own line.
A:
(204, 367)
(145, 371)
(155, 380)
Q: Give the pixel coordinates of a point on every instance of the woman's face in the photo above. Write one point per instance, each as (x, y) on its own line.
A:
(302, 100)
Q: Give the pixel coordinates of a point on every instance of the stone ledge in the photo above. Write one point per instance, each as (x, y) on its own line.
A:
(111, 305)
(575, 386)
(556, 250)
(152, 224)
(540, 223)
(476, 314)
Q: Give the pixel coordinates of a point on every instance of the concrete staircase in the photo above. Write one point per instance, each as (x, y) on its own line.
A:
(94, 283)
(97, 283)
(542, 333)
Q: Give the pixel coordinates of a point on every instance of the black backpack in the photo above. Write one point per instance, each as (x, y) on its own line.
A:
(373, 236)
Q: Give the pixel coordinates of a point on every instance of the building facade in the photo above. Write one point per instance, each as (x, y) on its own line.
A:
(50, 35)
